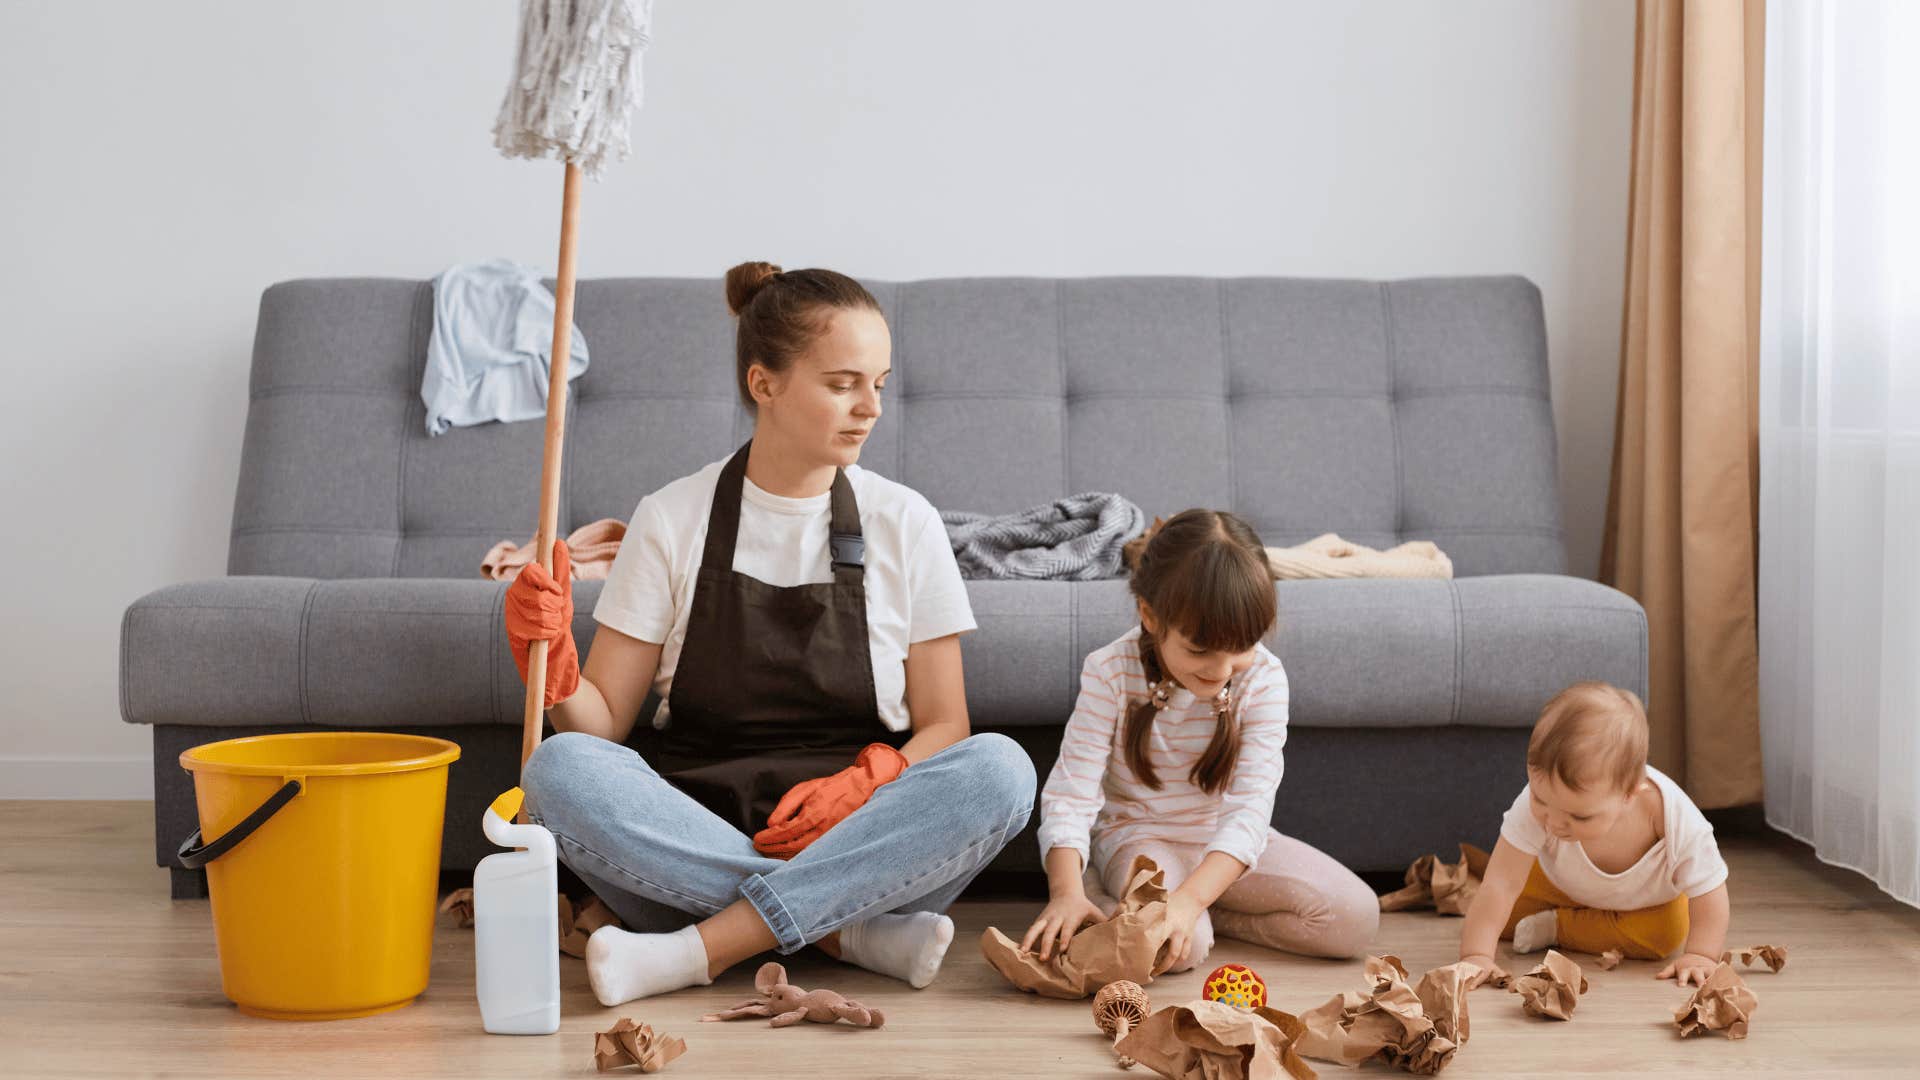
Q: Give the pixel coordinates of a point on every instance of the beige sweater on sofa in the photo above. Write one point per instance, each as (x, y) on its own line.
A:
(1328, 556)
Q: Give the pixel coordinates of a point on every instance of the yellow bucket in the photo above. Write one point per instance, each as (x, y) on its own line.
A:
(325, 869)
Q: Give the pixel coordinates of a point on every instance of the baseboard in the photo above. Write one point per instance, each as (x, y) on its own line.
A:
(35, 776)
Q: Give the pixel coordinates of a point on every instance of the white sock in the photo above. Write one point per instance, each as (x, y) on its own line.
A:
(622, 965)
(908, 947)
(1535, 932)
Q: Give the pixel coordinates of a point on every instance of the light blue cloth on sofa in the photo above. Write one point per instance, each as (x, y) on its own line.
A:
(492, 346)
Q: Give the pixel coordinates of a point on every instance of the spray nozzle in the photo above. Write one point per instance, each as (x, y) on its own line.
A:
(507, 806)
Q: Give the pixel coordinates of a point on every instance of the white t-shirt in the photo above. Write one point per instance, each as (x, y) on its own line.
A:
(1684, 860)
(913, 586)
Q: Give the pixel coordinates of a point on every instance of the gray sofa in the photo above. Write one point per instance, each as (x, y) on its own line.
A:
(1383, 411)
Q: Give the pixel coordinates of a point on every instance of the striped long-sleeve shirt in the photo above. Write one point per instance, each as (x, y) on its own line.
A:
(1093, 796)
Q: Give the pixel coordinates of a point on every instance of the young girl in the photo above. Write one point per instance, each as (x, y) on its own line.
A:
(1173, 752)
(1601, 851)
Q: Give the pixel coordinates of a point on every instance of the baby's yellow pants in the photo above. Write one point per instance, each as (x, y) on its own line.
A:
(1643, 934)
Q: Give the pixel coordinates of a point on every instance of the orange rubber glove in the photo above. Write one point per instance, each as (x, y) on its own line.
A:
(814, 806)
(539, 607)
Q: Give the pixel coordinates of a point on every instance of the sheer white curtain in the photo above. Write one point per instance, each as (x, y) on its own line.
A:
(1840, 433)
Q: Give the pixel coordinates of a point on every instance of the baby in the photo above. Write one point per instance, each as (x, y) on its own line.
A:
(1601, 851)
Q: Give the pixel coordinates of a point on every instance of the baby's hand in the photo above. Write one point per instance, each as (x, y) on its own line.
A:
(1058, 922)
(1689, 967)
(1486, 965)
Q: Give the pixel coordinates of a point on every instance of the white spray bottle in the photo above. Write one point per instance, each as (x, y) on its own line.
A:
(516, 926)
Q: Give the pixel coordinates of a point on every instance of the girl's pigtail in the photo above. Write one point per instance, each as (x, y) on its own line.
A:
(1141, 711)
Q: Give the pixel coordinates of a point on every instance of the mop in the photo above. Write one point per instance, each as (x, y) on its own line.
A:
(576, 82)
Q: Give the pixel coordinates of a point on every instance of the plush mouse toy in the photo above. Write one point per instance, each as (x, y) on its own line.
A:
(788, 1004)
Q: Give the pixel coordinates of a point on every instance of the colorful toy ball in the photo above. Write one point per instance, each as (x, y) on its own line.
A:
(1232, 984)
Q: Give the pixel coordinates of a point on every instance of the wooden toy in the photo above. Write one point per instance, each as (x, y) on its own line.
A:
(1118, 1008)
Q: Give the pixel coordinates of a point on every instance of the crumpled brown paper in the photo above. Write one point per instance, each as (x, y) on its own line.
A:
(460, 902)
(577, 924)
(1611, 959)
(1131, 945)
(628, 1043)
(1443, 993)
(1552, 989)
(1416, 1028)
(1205, 1040)
(1447, 887)
(1774, 956)
(1722, 1004)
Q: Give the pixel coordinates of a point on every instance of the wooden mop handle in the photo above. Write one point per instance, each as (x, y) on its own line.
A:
(535, 714)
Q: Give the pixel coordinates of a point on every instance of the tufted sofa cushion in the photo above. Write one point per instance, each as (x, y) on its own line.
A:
(1382, 411)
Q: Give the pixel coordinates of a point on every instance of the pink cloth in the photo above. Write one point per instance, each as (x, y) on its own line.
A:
(592, 547)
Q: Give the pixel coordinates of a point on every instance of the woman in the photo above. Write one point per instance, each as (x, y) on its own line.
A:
(794, 613)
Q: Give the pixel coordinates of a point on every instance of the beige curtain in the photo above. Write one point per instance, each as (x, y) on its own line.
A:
(1682, 517)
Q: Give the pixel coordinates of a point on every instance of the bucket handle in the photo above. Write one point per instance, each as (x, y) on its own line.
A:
(193, 854)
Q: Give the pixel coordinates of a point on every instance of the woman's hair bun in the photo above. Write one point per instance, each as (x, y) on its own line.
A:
(745, 281)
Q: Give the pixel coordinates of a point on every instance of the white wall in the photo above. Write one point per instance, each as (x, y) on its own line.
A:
(165, 162)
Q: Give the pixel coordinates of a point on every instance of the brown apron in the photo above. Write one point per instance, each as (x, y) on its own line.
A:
(774, 685)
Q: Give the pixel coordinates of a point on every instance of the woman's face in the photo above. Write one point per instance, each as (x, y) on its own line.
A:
(823, 406)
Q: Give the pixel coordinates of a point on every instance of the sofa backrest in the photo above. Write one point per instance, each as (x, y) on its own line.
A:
(1384, 411)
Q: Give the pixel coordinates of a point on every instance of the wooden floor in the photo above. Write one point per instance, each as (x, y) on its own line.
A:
(102, 975)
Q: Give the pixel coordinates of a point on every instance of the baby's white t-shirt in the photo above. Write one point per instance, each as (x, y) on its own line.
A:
(1684, 860)
(913, 586)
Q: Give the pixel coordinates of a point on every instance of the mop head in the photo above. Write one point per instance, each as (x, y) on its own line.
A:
(576, 81)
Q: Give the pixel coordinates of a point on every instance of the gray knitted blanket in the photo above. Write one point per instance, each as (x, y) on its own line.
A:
(1077, 538)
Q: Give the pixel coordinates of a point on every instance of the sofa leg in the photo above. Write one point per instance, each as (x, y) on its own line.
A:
(188, 884)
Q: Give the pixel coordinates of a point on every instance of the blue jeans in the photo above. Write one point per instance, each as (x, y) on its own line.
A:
(656, 856)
